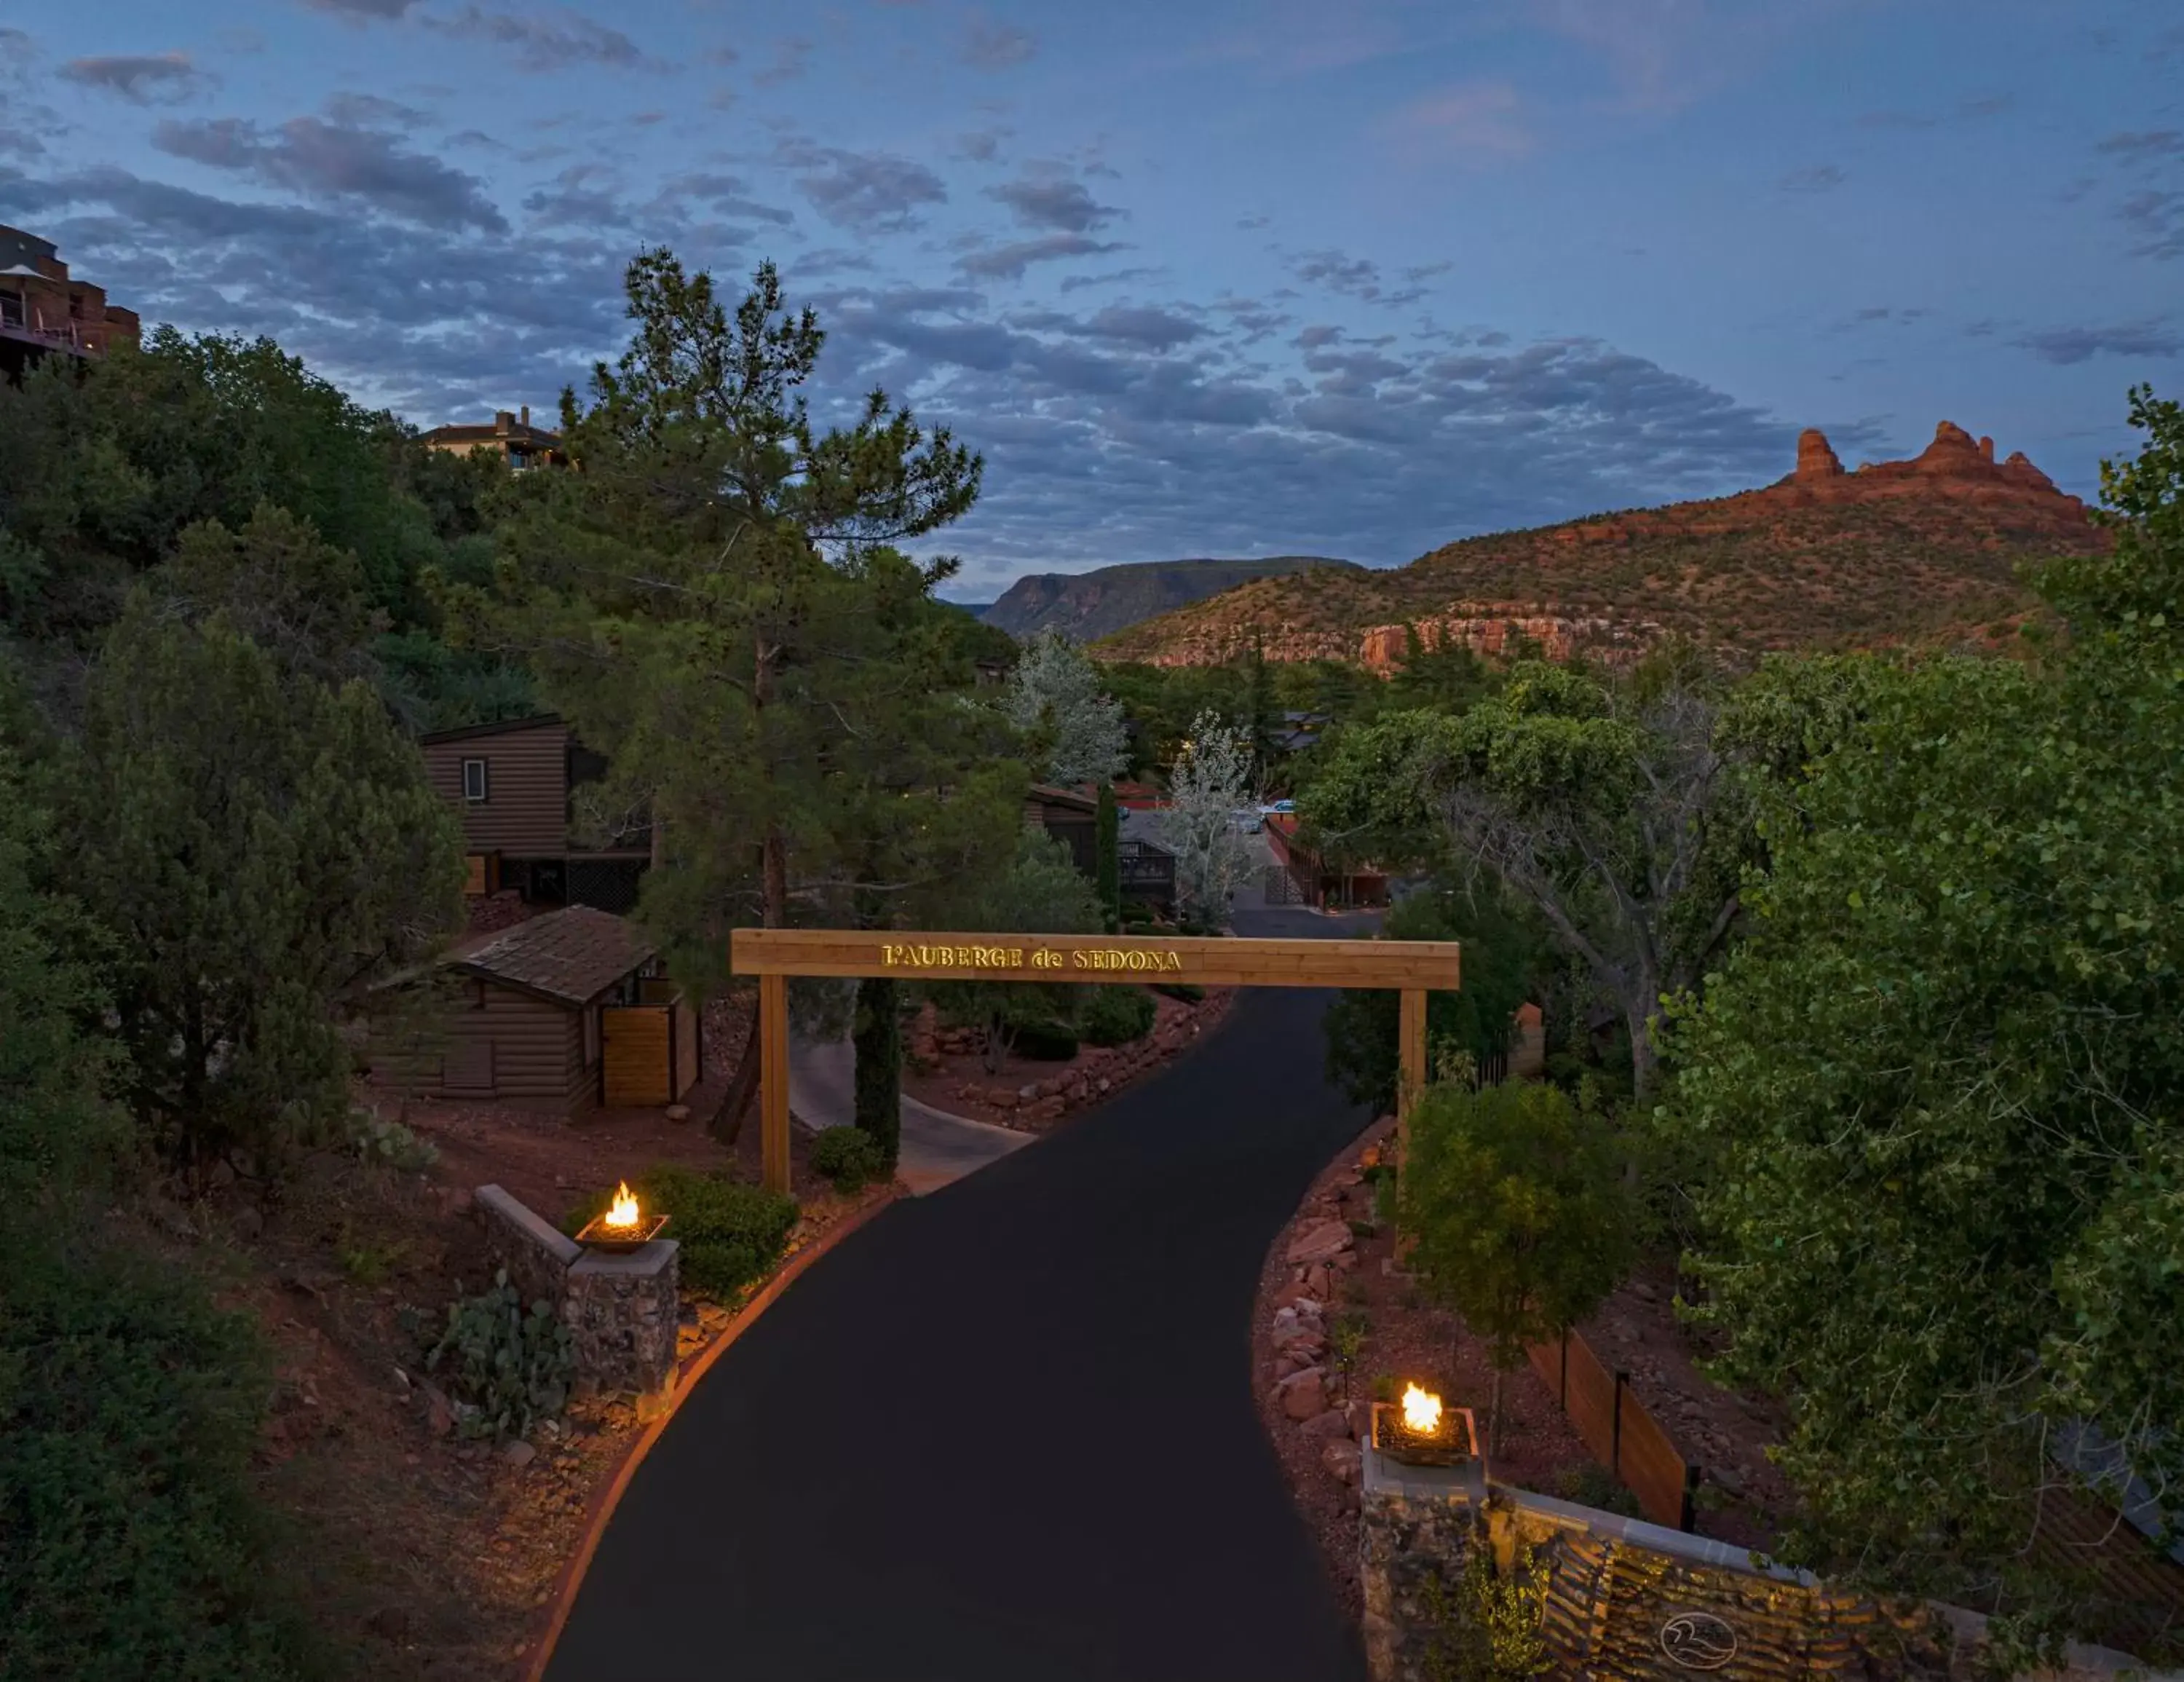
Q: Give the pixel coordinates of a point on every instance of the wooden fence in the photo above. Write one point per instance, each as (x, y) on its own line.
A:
(650, 1054)
(1615, 1426)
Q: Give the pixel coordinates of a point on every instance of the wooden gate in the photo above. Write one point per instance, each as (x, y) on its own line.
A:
(649, 1053)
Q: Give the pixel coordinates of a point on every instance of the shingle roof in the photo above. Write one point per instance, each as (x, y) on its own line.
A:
(572, 955)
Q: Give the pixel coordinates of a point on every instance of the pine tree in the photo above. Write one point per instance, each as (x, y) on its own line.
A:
(1111, 861)
(710, 600)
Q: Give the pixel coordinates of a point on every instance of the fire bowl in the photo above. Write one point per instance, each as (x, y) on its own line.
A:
(1456, 1442)
(620, 1240)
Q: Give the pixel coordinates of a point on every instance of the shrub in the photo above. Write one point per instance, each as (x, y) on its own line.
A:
(1044, 1042)
(849, 1156)
(505, 1368)
(1484, 1627)
(389, 1145)
(129, 1410)
(1118, 1015)
(1189, 992)
(732, 1233)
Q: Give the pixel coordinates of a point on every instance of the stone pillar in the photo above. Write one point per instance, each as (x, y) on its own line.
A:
(622, 1313)
(621, 1310)
(1415, 1523)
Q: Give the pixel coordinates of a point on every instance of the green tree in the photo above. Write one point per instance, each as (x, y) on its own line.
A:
(1513, 1198)
(257, 848)
(1938, 1090)
(1054, 696)
(128, 1406)
(696, 597)
(1042, 891)
(1611, 806)
(1505, 955)
(1109, 827)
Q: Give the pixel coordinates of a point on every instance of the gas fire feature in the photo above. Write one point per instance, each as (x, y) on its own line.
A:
(623, 1228)
(1419, 1431)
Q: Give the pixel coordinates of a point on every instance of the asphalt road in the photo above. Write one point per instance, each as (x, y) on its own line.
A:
(1005, 1433)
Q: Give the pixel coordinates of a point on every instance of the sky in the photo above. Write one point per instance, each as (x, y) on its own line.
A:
(1201, 277)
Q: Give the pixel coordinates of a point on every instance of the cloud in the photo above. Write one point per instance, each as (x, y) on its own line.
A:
(988, 46)
(1476, 118)
(2152, 211)
(791, 60)
(332, 160)
(362, 11)
(2068, 346)
(981, 146)
(728, 195)
(1052, 203)
(369, 110)
(2153, 144)
(872, 192)
(1009, 262)
(1070, 283)
(541, 42)
(142, 79)
(1813, 178)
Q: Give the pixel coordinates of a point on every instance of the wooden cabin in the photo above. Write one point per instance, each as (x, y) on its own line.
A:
(514, 785)
(562, 1012)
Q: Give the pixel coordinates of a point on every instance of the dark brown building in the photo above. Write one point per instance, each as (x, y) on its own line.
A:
(1071, 818)
(511, 437)
(559, 1013)
(514, 786)
(42, 311)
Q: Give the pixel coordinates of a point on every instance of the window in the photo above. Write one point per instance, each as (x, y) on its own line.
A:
(473, 784)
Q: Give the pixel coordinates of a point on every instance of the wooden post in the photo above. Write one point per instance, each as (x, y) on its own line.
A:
(773, 1080)
(1411, 1039)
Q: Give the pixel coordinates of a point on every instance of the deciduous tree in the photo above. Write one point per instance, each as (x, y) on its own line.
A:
(1514, 1196)
(1939, 1087)
(1210, 783)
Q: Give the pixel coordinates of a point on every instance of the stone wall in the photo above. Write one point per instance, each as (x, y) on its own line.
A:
(1628, 1600)
(621, 1311)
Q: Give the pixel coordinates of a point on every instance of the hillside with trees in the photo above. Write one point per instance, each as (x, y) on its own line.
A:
(1085, 606)
(1923, 551)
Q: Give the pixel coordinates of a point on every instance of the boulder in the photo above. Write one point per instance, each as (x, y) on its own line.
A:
(1319, 1280)
(1330, 1426)
(1303, 1394)
(1320, 1240)
(1344, 1460)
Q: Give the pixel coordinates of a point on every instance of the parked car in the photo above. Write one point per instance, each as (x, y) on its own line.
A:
(1251, 822)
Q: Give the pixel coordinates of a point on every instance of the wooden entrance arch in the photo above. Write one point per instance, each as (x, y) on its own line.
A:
(1412, 967)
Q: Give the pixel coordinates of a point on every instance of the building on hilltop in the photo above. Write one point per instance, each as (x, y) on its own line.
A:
(511, 437)
(42, 311)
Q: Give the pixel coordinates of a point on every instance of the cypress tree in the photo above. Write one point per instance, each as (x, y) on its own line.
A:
(1110, 859)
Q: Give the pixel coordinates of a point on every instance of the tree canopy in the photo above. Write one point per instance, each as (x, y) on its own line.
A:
(1936, 1089)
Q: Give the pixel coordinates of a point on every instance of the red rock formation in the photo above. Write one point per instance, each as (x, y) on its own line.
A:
(1816, 457)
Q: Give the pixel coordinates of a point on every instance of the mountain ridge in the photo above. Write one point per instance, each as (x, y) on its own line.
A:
(1086, 606)
(1823, 557)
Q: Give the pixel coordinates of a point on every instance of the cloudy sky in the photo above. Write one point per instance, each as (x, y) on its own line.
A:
(1198, 277)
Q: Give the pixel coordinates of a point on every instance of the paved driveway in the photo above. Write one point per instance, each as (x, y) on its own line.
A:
(1005, 1433)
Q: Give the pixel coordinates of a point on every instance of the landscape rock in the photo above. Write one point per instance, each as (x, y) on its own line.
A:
(1333, 1424)
(1320, 1281)
(1344, 1459)
(1304, 1394)
(457, 1201)
(439, 1411)
(1320, 1240)
(519, 1453)
(678, 1113)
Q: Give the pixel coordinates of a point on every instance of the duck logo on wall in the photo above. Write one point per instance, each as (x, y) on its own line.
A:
(1697, 1640)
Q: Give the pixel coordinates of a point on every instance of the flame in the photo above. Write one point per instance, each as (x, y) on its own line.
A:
(1421, 1412)
(624, 1212)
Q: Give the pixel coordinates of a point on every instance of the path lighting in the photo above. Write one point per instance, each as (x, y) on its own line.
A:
(1419, 1430)
(624, 1225)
